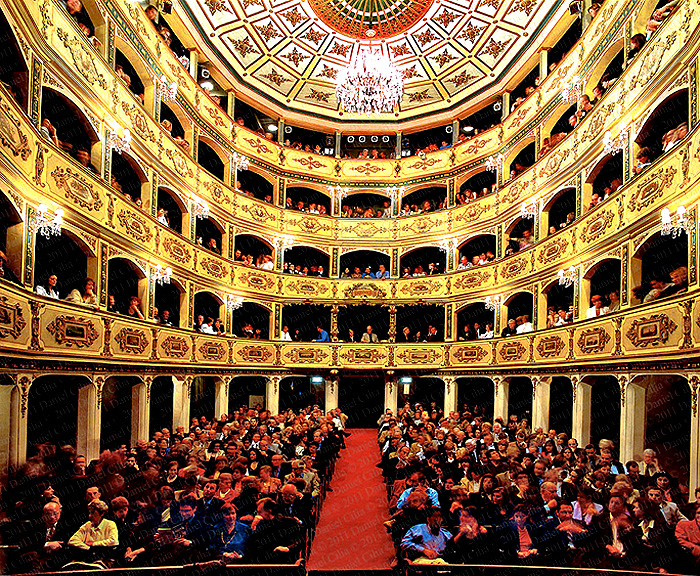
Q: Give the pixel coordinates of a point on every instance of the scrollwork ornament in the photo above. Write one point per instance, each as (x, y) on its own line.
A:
(694, 383)
(24, 384)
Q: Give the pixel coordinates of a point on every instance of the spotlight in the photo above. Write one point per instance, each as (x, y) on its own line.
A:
(374, 139)
(350, 139)
(362, 139)
(287, 129)
(497, 106)
(205, 73)
(448, 129)
(386, 139)
(468, 128)
(272, 127)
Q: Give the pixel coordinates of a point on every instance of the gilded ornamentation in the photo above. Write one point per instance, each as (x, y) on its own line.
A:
(302, 355)
(364, 291)
(472, 212)
(11, 137)
(175, 347)
(514, 268)
(71, 331)
(213, 267)
(687, 324)
(77, 188)
(367, 168)
(694, 382)
(364, 229)
(258, 145)
(650, 331)
(180, 163)
(131, 340)
(593, 340)
(420, 225)
(554, 162)
(39, 165)
(550, 346)
(258, 354)
(307, 287)
(257, 281)
(418, 355)
(24, 385)
(83, 59)
(511, 351)
(363, 356)
(218, 192)
(470, 280)
(552, 250)
(649, 67)
(211, 350)
(423, 164)
(177, 250)
(651, 188)
(469, 354)
(139, 121)
(310, 163)
(596, 225)
(135, 226)
(217, 6)
(420, 287)
(310, 225)
(12, 322)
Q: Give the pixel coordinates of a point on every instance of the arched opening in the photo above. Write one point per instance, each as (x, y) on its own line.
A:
(116, 412)
(560, 302)
(65, 125)
(424, 200)
(561, 405)
(660, 268)
(362, 398)
(251, 320)
(306, 261)
(525, 158)
(206, 306)
(519, 305)
(252, 250)
(565, 124)
(246, 391)
(561, 210)
(605, 408)
(170, 122)
(613, 70)
(128, 74)
(477, 250)
(298, 392)
(128, 177)
(353, 322)
(203, 397)
(520, 235)
(62, 256)
(52, 410)
(172, 209)
(209, 233)
(605, 178)
(476, 395)
(474, 321)
(209, 159)
(303, 321)
(254, 184)
(525, 87)
(307, 200)
(125, 280)
(425, 322)
(11, 240)
(426, 391)
(430, 140)
(425, 261)
(668, 406)
(483, 119)
(520, 397)
(604, 282)
(365, 205)
(479, 185)
(13, 69)
(566, 42)
(161, 404)
(666, 126)
(357, 263)
(170, 299)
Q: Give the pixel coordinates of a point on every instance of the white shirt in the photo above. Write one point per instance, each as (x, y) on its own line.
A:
(486, 335)
(591, 312)
(523, 328)
(207, 329)
(285, 336)
(50, 293)
(269, 265)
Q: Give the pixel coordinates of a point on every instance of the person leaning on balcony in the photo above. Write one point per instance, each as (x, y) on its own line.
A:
(369, 336)
(87, 297)
(48, 289)
(597, 308)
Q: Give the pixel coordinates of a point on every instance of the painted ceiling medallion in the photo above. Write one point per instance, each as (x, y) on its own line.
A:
(385, 18)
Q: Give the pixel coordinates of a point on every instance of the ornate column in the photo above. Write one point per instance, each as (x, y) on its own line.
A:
(581, 413)
(90, 420)
(221, 395)
(181, 401)
(505, 101)
(694, 383)
(632, 418)
(392, 323)
(14, 398)
(334, 323)
(544, 64)
(332, 391)
(272, 394)
(141, 410)
(500, 397)
(391, 392)
(541, 387)
(450, 394)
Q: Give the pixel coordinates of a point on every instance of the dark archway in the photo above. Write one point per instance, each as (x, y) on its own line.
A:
(210, 233)
(52, 409)
(300, 198)
(209, 159)
(525, 158)
(562, 126)
(254, 314)
(249, 245)
(124, 281)
(63, 256)
(660, 256)
(203, 397)
(426, 199)
(483, 245)
(253, 183)
(207, 305)
(469, 316)
(129, 75)
(297, 392)
(73, 129)
(667, 116)
(520, 304)
(245, 391)
(357, 318)
(520, 397)
(361, 397)
(561, 405)
(562, 210)
(605, 278)
(366, 204)
(418, 261)
(116, 412)
(297, 258)
(172, 208)
(559, 296)
(13, 70)
(480, 183)
(303, 319)
(418, 318)
(608, 175)
(426, 391)
(166, 113)
(127, 176)
(605, 409)
(169, 297)
(161, 404)
(363, 259)
(476, 395)
(11, 235)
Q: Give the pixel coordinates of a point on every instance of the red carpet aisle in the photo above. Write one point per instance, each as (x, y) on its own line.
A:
(351, 533)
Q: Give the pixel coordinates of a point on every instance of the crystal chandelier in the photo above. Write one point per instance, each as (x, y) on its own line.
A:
(370, 84)
(42, 223)
(494, 163)
(338, 192)
(571, 90)
(528, 210)
(234, 302)
(567, 277)
(119, 143)
(613, 145)
(492, 302)
(671, 228)
(201, 208)
(162, 276)
(168, 90)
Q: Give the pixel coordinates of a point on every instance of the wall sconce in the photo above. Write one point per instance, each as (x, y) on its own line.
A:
(42, 222)
(168, 90)
(571, 89)
(201, 208)
(568, 277)
(492, 302)
(119, 142)
(528, 210)
(675, 225)
(494, 163)
(614, 145)
(238, 162)
(338, 192)
(162, 276)
(234, 302)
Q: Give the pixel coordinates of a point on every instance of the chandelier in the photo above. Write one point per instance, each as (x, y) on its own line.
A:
(162, 276)
(42, 223)
(567, 277)
(528, 210)
(492, 302)
(614, 145)
(494, 163)
(234, 302)
(201, 208)
(370, 84)
(119, 143)
(571, 90)
(671, 228)
(168, 90)
(338, 192)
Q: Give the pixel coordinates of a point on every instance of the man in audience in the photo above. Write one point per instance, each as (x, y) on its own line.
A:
(369, 336)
